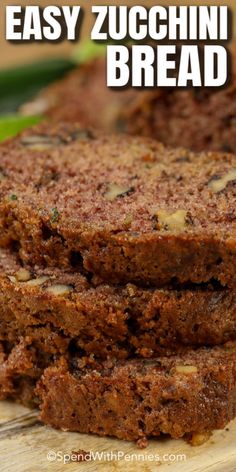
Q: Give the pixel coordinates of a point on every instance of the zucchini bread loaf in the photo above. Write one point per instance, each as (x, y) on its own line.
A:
(199, 119)
(118, 263)
(126, 209)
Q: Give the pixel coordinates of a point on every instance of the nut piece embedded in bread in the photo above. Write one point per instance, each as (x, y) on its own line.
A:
(59, 289)
(23, 275)
(217, 184)
(176, 221)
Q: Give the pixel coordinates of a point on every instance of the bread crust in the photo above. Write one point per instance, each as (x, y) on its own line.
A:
(55, 310)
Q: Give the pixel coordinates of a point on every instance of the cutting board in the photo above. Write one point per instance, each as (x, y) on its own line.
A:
(28, 446)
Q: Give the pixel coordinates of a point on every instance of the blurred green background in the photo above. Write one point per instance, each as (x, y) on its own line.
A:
(27, 68)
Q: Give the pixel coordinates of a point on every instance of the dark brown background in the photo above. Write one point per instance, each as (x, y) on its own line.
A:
(14, 54)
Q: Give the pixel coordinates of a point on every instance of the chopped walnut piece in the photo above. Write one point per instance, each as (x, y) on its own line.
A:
(82, 134)
(128, 220)
(38, 281)
(12, 279)
(197, 439)
(176, 221)
(114, 191)
(23, 275)
(131, 289)
(59, 289)
(217, 184)
(40, 143)
(186, 369)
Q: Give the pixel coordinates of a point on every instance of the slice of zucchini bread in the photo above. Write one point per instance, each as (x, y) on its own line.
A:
(124, 208)
(61, 311)
(131, 400)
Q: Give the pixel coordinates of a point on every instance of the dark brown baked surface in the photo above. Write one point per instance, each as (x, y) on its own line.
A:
(127, 209)
(140, 399)
(59, 311)
(197, 119)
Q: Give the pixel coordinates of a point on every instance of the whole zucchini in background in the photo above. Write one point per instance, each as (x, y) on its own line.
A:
(10, 125)
(20, 84)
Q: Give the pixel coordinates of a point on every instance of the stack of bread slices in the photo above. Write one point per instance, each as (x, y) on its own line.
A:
(117, 262)
(117, 282)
